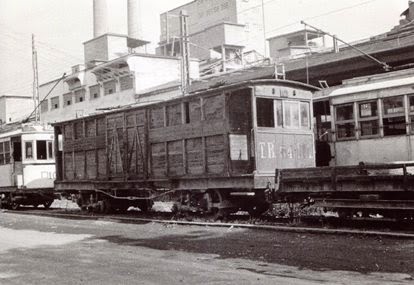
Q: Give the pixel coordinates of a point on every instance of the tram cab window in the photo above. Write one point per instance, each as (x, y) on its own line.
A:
(345, 125)
(291, 115)
(41, 150)
(265, 113)
(28, 150)
(394, 116)
(279, 113)
(368, 118)
(304, 115)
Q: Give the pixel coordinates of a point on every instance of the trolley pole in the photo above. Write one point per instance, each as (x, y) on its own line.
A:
(35, 81)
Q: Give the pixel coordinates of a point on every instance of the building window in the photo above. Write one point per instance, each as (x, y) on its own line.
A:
(79, 96)
(94, 92)
(41, 150)
(109, 87)
(126, 83)
(44, 106)
(265, 113)
(67, 99)
(368, 118)
(345, 125)
(55, 103)
(28, 146)
(394, 116)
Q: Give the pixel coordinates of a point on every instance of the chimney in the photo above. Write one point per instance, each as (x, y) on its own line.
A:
(410, 15)
(100, 18)
(134, 19)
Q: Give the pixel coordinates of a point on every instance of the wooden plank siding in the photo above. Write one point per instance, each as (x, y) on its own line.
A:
(183, 138)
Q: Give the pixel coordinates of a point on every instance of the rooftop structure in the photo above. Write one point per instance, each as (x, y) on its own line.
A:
(222, 29)
(15, 108)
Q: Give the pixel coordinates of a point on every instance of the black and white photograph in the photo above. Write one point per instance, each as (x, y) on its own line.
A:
(206, 142)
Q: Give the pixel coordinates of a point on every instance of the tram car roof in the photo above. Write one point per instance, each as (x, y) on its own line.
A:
(370, 83)
(210, 85)
(14, 129)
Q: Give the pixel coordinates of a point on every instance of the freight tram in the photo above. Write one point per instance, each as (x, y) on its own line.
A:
(27, 165)
(216, 149)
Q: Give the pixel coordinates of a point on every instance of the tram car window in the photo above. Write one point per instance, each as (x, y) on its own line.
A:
(411, 102)
(394, 116)
(41, 150)
(345, 123)
(368, 118)
(28, 150)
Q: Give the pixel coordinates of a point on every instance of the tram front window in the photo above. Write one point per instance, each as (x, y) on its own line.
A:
(345, 126)
(29, 150)
(41, 150)
(265, 113)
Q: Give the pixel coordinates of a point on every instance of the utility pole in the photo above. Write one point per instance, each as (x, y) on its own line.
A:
(185, 52)
(264, 29)
(35, 81)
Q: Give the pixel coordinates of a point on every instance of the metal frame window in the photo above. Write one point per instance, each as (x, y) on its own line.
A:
(345, 121)
(4, 153)
(28, 147)
(394, 122)
(368, 119)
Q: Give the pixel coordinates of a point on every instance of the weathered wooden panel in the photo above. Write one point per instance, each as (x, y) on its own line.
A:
(213, 107)
(91, 164)
(101, 126)
(78, 129)
(195, 110)
(240, 111)
(175, 158)
(193, 130)
(68, 171)
(68, 132)
(136, 150)
(194, 156)
(102, 159)
(174, 115)
(85, 144)
(116, 151)
(157, 117)
(90, 128)
(80, 165)
(158, 160)
(215, 154)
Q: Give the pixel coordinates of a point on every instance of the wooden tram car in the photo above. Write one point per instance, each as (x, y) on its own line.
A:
(217, 148)
(27, 165)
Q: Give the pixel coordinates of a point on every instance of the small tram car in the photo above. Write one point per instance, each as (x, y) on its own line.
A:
(370, 119)
(366, 142)
(216, 149)
(27, 165)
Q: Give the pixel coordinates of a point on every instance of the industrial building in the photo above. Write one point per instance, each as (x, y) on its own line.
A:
(15, 108)
(227, 30)
(114, 71)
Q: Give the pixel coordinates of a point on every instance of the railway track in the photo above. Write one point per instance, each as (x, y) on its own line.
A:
(314, 224)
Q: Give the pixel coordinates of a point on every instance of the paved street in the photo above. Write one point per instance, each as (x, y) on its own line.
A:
(40, 250)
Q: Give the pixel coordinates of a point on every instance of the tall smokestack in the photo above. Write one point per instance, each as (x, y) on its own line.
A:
(134, 19)
(100, 18)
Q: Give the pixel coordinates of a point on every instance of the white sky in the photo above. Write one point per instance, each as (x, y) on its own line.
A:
(61, 26)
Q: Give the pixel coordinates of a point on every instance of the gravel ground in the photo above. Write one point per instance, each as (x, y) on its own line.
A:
(41, 250)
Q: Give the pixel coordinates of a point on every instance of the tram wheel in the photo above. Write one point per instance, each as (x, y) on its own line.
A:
(14, 206)
(47, 204)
